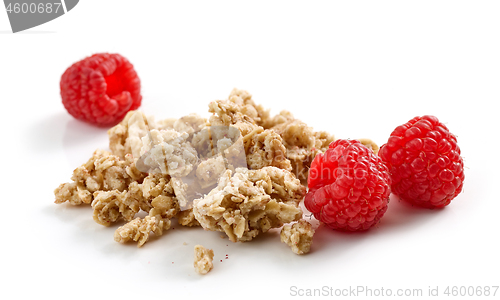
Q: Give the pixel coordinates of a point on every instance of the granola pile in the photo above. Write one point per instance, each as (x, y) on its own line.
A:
(242, 172)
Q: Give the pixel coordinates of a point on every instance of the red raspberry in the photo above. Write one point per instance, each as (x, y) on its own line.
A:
(349, 186)
(101, 89)
(425, 163)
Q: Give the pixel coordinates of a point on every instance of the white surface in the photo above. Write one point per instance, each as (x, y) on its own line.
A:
(356, 69)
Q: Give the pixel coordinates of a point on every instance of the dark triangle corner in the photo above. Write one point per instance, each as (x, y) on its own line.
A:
(70, 4)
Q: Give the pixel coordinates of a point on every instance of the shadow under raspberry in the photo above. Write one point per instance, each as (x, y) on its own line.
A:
(400, 215)
(46, 133)
(79, 140)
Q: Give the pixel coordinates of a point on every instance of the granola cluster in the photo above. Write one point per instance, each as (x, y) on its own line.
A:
(111, 206)
(301, 142)
(281, 141)
(158, 199)
(167, 152)
(263, 147)
(241, 172)
(250, 201)
(102, 172)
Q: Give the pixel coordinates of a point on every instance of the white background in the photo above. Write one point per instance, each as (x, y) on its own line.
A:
(353, 68)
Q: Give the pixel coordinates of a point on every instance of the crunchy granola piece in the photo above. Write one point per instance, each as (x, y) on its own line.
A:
(203, 143)
(322, 140)
(111, 206)
(139, 230)
(227, 113)
(203, 259)
(214, 141)
(168, 152)
(164, 207)
(249, 202)
(235, 155)
(133, 173)
(301, 159)
(102, 172)
(166, 123)
(295, 133)
(299, 140)
(156, 184)
(298, 236)
(186, 218)
(181, 190)
(297, 147)
(220, 148)
(209, 170)
(118, 136)
(263, 147)
(128, 136)
(125, 137)
(248, 107)
(283, 117)
(159, 196)
(189, 124)
(302, 144)
(370, 145)
(158, 199)
(69, 192)
(135, 191)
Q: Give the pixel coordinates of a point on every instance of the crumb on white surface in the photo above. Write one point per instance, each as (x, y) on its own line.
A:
(298, 236)
(203, 258)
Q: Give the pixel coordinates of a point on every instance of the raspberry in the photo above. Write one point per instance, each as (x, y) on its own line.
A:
(349, 186)
(424, 162)
(101, 89)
